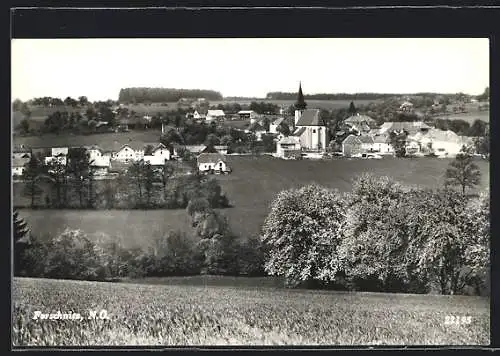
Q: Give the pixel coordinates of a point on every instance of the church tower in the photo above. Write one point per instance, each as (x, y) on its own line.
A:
(300, 105)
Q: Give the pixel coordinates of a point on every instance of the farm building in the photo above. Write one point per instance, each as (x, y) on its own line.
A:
(406, 106)
(287, 145)
(309, 126)
(367, 143)
(352, 145)
(212, 162)
(194, 149)
(248, 114)
(215, 115)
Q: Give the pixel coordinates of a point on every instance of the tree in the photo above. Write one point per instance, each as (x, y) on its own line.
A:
(352, 109)
(58, 176)
(226, 140)
(212, 140)
(478, 128)
(17, 105)
(30, 176)
(463, 172)
(398, 141)
(142, 175)
(301, 234)
(449, 238)
(24, 126)
(485, 95)
(148, 150)
(78, 168)
(82, 100)
(20, 233)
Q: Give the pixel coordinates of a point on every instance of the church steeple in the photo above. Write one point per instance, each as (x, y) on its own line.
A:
(300, 104)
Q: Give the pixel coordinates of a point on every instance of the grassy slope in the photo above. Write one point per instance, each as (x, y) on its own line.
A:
(250, 188)
(52, 140)
(201, 315)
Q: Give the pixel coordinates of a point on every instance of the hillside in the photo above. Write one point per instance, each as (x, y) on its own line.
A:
(141, 314)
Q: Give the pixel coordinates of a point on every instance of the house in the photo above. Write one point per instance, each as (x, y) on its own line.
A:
(222, 149)
(200, 113)
(60, 159)
(352, 145)
(161, 152)
(367, 143)
(215, 115)
(360, 123)
(382, 144)
(273, 127)
(309, 126)
(19, 166)
(411, 127)
(212, 162)
(406, 106)
(248, 114)
(443, 143)
(131, 151)
(288, 146)
(194, 149)
(100, 165)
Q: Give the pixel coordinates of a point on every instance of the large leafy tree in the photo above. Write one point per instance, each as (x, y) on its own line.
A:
(375, 236)
(463, 172)
(301, 234)
(449, 238)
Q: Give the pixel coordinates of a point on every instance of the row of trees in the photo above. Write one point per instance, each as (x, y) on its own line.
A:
(162, 95)
(210, 248)
(48, 101)
(380, 237)
(73, 185)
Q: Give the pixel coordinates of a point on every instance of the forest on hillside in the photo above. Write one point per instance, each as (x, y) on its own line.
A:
(163, 95)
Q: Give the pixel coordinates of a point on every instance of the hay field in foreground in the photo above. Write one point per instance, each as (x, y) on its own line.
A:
(141, 314)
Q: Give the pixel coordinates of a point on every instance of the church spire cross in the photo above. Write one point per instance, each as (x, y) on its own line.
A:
(300, 104)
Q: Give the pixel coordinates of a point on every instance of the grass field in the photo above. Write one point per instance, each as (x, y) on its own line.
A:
(251, 187)
(141, 314)
(470, 117)
(52, 140)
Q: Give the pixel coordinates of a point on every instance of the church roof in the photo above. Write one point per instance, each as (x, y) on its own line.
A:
(299, 131)
(310, 117)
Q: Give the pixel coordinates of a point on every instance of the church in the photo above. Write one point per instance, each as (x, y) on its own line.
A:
(310, 127)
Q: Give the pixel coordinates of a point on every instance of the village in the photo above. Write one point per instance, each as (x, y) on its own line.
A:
(307, 137)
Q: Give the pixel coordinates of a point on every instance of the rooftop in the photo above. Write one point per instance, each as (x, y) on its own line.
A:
(311, 117)
(211, 158)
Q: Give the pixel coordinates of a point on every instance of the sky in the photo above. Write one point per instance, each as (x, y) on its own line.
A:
(99, 68)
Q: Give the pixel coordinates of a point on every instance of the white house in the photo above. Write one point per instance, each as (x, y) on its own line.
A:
(61, 159)
(100, 164)
(311, 129)
(212, 162)
(406, 106)
(214, 115)
(200, 113)
(367, 143)
(287, 146)
(440, 142)
(382, 145)
(161, 151)
(128, 153)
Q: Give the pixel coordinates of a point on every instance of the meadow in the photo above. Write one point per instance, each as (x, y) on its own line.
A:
(103, 139)
(170, 315)
(251, 187)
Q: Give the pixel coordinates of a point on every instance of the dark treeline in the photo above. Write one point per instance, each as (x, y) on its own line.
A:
(345, 96)
(162, 95)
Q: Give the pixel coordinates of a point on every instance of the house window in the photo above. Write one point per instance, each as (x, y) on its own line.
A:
(314, 131)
